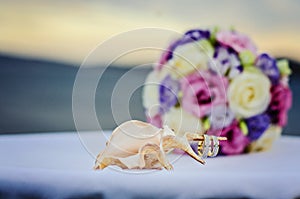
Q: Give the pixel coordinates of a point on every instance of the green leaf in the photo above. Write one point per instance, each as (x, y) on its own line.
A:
(206, 123)
(206, 47)
(247, 58)
(244, 128)
(284, 68)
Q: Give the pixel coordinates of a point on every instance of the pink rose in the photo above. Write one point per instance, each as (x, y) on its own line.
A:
(156, 120)
(281, 102)
(236, 141)
(201, 91)
(236, 40)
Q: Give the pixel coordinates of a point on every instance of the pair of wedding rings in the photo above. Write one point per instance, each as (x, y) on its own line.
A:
(208, 146)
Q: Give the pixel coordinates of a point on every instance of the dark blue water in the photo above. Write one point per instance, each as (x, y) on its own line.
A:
(36, 96)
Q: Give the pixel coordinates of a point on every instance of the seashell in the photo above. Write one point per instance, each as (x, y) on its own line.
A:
(139, 145)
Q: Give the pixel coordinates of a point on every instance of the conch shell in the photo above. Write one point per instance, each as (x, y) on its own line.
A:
(139, 145)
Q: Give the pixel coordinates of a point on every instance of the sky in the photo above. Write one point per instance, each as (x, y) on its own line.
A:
(68, 31)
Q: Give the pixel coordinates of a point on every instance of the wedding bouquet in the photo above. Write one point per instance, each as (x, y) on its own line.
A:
(215, 81)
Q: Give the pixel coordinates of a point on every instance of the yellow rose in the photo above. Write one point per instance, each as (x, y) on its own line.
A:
(266, 140)
(249, 93)
(182, 121)
(190, 57)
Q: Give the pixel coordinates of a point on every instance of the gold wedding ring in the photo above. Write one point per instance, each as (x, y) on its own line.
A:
(208, 146)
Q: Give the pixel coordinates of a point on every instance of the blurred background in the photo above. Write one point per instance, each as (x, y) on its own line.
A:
(42, 44)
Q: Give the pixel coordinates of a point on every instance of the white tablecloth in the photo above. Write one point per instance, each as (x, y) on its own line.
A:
(58, 165)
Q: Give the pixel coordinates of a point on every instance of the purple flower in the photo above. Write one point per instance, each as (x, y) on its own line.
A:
(195, 35)
(163, 59)
(236, 141)
(225, 61)
(257, 125)
(168, 90)
(268, 66)
(190, 36)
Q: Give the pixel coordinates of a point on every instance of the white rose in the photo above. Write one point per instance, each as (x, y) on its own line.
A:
(190, 57)
(249, 93)
(150, 92)
(182, 121)
(266, 140)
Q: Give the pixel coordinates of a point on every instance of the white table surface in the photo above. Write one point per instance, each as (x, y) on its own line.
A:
(59, 165)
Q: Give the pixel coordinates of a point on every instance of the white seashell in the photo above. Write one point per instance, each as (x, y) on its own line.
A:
(139, 145)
